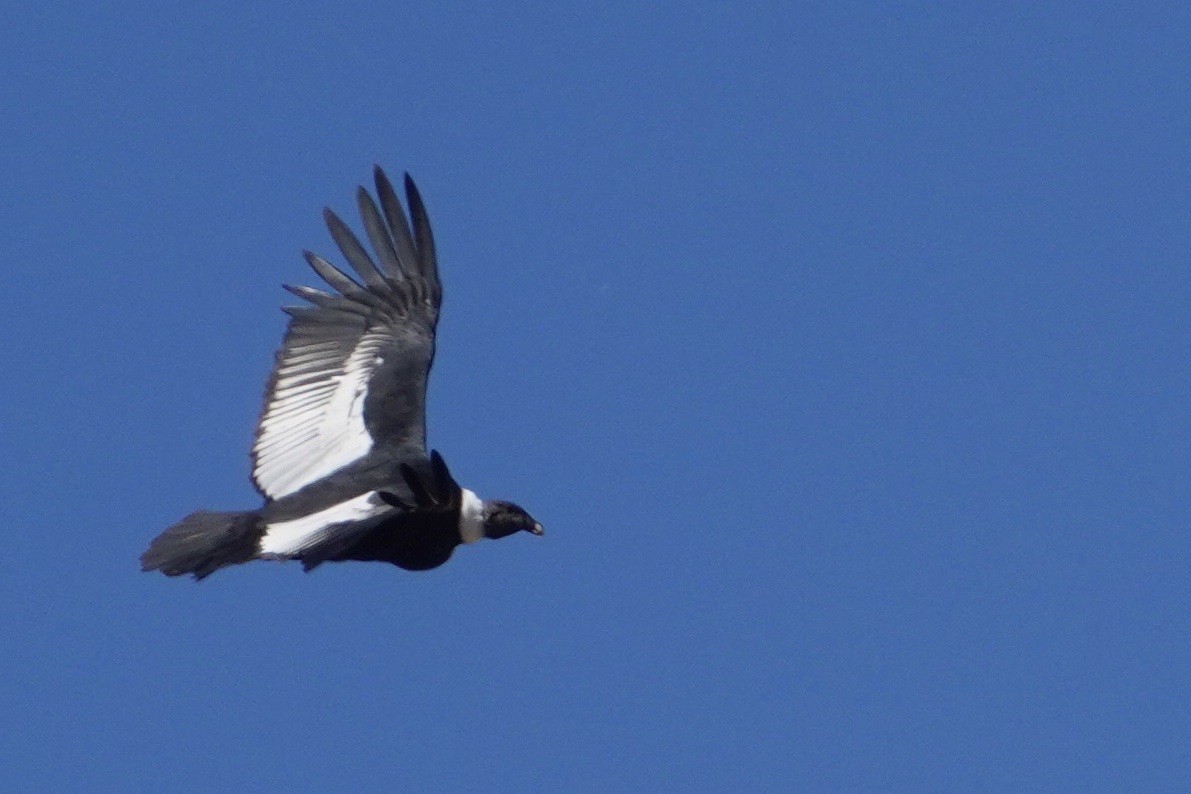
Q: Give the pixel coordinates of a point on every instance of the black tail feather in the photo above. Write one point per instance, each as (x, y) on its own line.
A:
(204, 542)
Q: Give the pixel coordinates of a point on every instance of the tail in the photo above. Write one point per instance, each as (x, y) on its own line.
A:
(204, 542)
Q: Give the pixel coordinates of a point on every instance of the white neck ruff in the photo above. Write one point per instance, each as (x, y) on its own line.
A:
(471, 517)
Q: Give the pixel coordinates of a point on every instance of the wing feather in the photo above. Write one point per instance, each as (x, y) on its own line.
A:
(403, 241)
(424, 242)
(378, 235)
(357, 257)
(331, 274)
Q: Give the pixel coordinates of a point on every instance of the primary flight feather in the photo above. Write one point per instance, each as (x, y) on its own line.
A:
(340, 450)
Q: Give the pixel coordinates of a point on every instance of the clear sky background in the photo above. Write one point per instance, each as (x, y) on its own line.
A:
(842, 349)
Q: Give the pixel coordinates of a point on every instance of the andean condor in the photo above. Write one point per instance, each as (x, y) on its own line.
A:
(340, 450)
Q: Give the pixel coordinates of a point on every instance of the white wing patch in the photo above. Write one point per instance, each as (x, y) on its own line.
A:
(314, 421)
(285, 538)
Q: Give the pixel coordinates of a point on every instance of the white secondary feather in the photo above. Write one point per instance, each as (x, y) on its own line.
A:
(314, 421)
(284, 538)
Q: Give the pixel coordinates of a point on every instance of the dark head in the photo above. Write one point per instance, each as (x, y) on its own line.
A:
(502, 519)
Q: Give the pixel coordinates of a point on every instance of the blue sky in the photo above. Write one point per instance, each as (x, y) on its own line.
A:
(842, 349)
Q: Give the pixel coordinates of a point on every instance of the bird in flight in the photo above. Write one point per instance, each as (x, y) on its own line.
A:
(340, 451)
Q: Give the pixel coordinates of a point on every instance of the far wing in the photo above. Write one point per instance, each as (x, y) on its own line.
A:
(351, 373)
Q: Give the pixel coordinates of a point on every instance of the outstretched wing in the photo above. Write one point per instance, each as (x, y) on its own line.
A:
(351, 374)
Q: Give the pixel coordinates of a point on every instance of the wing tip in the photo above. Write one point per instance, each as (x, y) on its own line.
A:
(411, 191)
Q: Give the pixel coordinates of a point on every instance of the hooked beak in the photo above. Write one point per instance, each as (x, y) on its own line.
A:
(537, 529)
